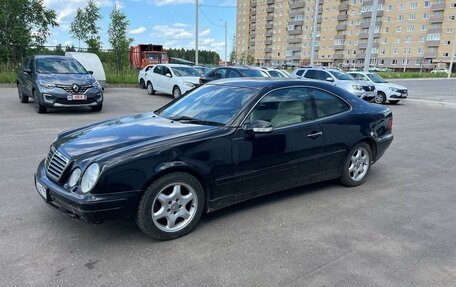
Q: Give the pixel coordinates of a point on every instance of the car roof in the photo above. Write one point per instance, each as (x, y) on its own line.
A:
(52, 57)
(175, 65)
(268, 83)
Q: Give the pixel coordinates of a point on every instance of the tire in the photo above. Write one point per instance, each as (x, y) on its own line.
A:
(171, 206)
(380, 98)
(97, 108)
(22, 98)
(142, 85)
(394, 102)
(356, 165)
(176, 92)
(39, 108)
(150, 88)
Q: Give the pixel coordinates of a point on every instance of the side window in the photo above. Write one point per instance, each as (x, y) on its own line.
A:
(328, 104)
(322, 75)
(284, 107)
(158, 70)
(233, 74)
(310, 74)
(166, 70)
(300, 72)
(148, 68)
(220, 74)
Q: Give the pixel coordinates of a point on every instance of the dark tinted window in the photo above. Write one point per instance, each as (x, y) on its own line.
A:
(166, 70)
(220, 73)
(252, 73)
(148, 68)
(234, 74)
(322, 75)
(300, 72)
(311, 74)
(284, 107)
(328, 104)
(158, 70)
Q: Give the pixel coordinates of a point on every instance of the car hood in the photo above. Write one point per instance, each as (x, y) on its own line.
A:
(364, 83)
(119, 133)
(194, 80)
(67, 79)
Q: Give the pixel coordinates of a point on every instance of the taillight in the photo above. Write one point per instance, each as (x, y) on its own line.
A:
(390, 124)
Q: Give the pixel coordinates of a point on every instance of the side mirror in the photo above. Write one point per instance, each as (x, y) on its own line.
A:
(27, 71)
(91, 72)
(329, 79)
(168, 75)
(259, 127)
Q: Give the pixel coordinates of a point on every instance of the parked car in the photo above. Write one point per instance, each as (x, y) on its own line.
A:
(172, 79)
(362, 89)
(276, 73)
(91, 62)
(440, 70)
(202, 70)
(386, 91)
(222, 143)
(232, 72)
(58, 82)
(142, 76)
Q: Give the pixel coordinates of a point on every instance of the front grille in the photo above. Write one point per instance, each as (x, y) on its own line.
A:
(69, 89)
(56, 163)
(368, 88)
(402, 91)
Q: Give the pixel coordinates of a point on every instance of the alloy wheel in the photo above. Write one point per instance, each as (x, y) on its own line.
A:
(174, 207)
(176, 93)
(359, 164)
(379, 98)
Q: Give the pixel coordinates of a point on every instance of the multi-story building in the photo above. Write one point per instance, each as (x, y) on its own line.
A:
(408, 33)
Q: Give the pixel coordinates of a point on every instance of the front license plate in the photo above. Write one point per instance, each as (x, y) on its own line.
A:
(41, 189)
(79, 97)
(405, 95)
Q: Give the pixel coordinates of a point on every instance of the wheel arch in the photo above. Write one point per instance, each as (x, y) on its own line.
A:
(372, 144)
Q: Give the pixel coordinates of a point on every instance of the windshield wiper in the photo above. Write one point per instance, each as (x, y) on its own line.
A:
(195, 121)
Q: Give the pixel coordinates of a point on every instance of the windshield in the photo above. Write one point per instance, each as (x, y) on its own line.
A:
(252, 73)
(59, 66)
(185, 72)
(202, 70)
(376, 78)
(341, 76)
(276, 74)
(211, 103)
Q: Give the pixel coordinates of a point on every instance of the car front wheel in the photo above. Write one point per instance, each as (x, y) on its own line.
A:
(22, 98)
(380, 98)
(171, 206)
(176, 92)
(356, 165)
(39, 108)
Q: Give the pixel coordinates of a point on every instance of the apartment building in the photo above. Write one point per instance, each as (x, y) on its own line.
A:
(415, 34)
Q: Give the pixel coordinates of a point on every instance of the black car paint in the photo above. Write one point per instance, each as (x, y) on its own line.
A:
(232, 164)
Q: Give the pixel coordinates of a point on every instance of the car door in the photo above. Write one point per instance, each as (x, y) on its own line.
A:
(332, 112)
(220, 73)
(324, 76)
(168, 82)
(286, 157)
(232, 73)
(157, 78)
(27, 78)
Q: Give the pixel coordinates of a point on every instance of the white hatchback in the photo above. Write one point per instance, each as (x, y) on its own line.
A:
(171, 79)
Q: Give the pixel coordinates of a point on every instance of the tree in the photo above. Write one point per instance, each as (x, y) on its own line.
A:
(24, 23)
(233, 54)
(118, 37)
(84, 27)
(77, 29)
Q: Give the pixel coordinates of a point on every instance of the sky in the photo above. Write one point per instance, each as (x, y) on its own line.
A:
(167, 22)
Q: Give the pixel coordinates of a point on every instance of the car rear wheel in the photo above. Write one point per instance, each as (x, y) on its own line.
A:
(171, 206)
(22, 98)
(142, 85)
(394, 102)
(39, 108)
(150, 88)
(176, 92)
(357, 165)
(380, 98)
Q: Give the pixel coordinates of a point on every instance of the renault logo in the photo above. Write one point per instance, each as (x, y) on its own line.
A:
(75, 88)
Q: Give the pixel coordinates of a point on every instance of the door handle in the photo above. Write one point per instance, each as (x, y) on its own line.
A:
(314, 134)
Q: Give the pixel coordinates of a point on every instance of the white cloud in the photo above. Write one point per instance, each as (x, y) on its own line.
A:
(171, 2)
(137, 31)
(205, 33)
(171, 32)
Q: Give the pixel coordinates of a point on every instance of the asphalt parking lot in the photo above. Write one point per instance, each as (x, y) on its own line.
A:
(398, 229)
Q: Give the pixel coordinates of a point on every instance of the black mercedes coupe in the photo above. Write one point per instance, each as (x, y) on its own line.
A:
(222, 143)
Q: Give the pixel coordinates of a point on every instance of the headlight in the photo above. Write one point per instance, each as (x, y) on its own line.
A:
(393, 89)
(357, 87)
(96, 84)
(188, 84)
(45, 84)
(74, 177)
(90, 177)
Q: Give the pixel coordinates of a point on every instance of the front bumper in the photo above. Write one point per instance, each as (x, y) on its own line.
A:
(59, 98)
(92, 208)
(367, 96)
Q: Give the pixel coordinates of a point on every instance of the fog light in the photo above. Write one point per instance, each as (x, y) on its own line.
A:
(48, 98)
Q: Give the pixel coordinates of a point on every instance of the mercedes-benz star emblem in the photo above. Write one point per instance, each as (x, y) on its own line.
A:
(75, 88)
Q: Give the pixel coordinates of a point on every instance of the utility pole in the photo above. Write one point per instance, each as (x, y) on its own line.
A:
(196, 32)
(314, 33)
(370, 38)
(452, 58)
(226, 44)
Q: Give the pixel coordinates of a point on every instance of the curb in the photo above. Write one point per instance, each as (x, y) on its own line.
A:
(420, 79)
(434, 103)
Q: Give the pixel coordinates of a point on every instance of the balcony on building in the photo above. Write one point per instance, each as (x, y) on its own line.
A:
(366, 35)
(338, 56)
(294, 13)
(366, 24)
(371, 2)
(364, 45)
(339, 47)
(268, 58)
(340, 37)
(268, 34)
(253, 12)
(295, 48)
(319, 18)
(432, 43)
(320, 10)
(368, 14)
(270, 9)
(360, 55)
(341, 27)
(296, 5)
(294, 40)
(270, 2)
(434, 30)
(254, 3)
(436, 19)
(268, 42)
(252, 28)
(269, 26)
(270, 18)
(296, 23)
(430, 55)
(438, 6)
(253, 19)
(342, 17)
(295, 32)
(343, 7)
(268, 50)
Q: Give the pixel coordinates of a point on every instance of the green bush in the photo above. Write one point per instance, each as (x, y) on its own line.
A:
(7, 77)
(410, 75)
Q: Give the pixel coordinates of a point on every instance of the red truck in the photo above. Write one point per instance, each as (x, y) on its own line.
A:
(146, 54)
